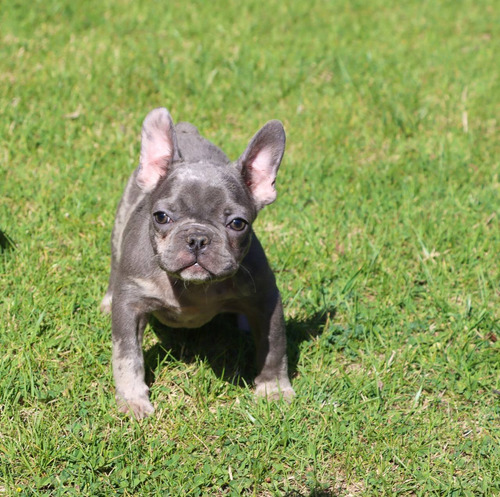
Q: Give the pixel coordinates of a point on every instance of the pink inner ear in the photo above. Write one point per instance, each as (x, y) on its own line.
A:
(157, 143)
(148, 179)
(263, 162)
(262, 177)
(156, 153)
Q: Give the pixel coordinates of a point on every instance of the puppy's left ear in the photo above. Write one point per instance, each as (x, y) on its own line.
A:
(158, 148)
(261, 160)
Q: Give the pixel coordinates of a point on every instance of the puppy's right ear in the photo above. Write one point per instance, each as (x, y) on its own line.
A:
(158, 148)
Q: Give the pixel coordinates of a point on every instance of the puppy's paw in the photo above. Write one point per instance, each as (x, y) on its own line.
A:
(275, 390)
(106, 303)
(139, 407)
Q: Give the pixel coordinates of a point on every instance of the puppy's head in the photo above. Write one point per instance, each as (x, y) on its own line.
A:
(201, 212)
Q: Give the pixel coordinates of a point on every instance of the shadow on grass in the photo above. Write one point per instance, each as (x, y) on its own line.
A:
(5, 242)
(229, 351)
(314, 493)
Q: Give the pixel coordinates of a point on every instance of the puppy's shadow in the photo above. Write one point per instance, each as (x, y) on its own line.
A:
(229, 351)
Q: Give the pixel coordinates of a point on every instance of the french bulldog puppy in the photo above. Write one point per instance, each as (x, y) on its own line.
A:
(183, 250)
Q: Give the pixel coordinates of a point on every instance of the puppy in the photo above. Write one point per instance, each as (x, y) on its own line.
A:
(183, 250)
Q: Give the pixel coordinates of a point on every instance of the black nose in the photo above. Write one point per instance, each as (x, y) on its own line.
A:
(197, 241)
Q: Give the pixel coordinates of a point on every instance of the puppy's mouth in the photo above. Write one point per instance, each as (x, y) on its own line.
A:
(195, 273)
(198, 272)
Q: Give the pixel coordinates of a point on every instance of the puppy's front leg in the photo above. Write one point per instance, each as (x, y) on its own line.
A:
(268, 327)
(132, 393)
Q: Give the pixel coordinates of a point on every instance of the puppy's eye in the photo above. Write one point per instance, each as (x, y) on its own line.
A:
(162, 217)
(238, 224)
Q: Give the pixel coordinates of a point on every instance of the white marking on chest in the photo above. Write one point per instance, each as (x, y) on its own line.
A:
(152, 289)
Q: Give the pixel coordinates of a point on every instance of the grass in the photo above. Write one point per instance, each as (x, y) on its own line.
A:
(385, 241)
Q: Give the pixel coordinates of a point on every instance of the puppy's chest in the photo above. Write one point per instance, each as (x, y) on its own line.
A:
(181, 306)
(184, 317)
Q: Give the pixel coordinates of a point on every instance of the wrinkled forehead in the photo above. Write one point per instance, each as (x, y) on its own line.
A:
(204, 190)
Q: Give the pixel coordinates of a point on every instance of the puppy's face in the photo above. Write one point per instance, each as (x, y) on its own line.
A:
(200, 221)
(202, 207)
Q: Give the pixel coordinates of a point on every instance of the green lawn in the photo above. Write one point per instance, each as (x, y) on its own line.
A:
(385, 239)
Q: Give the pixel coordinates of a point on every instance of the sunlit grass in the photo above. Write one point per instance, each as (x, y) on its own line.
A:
(385, 241)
